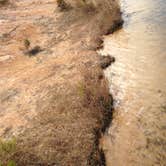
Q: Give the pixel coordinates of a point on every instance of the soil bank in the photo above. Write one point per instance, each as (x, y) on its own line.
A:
(53, 103)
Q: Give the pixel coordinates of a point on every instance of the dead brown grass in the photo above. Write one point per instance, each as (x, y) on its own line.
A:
(70, 107)
(68, 126)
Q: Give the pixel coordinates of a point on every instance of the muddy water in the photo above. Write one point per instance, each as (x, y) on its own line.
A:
(137, 135)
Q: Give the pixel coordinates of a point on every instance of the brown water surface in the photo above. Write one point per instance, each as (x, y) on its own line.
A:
(137, 135)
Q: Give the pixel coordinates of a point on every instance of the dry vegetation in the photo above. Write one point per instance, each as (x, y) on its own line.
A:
(57, 104)
(71, 128)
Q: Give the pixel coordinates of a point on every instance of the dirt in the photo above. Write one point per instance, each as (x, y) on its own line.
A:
(54, 103)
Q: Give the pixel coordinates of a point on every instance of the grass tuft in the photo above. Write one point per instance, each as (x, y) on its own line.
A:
(27, 43)
(7, 149)
(7, 146)
(11, 163)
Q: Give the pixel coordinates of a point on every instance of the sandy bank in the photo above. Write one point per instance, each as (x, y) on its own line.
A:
(54, 103)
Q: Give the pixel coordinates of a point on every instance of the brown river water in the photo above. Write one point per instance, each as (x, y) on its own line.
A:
(137, 134)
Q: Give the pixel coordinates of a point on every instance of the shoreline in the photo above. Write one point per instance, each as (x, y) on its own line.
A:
(56, 103)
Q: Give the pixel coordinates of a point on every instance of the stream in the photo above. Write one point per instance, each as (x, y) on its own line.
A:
(137, 134)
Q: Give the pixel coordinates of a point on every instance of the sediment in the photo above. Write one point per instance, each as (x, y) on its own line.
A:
(56, 103)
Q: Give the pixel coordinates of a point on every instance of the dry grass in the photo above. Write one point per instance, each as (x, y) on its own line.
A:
(72, 107)
(96, 95)
(68, 126)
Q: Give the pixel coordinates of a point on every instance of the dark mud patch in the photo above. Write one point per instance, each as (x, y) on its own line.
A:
(118, 24)
(106, 61)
